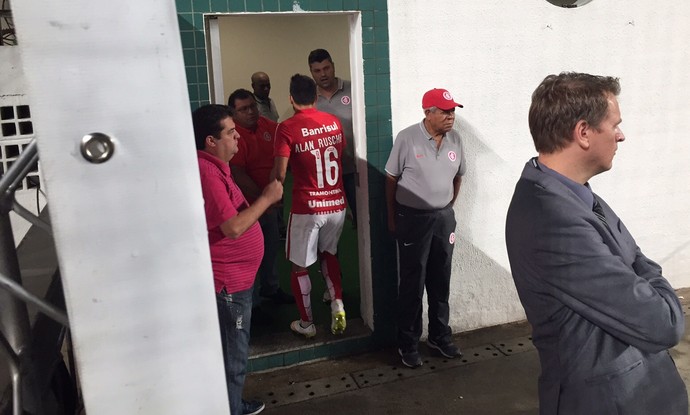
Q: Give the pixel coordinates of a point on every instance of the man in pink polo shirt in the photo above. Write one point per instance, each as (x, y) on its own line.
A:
(235, 240)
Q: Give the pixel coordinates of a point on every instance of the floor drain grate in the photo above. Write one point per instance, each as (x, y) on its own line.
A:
(385, 374)
(513, 346)
(302, 391)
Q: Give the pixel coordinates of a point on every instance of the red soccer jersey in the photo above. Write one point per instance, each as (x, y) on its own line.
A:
(255, 151)
(313, 142)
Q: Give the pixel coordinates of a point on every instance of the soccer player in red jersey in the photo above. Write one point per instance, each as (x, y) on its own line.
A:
(313, 143)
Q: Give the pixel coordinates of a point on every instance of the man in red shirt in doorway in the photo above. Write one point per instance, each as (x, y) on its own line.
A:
(313, 143)
(235, 240)
(251, 168)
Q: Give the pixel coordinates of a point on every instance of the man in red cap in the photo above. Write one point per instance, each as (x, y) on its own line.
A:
(424, 171)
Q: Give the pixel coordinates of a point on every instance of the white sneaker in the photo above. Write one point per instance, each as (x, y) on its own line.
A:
(308, 332)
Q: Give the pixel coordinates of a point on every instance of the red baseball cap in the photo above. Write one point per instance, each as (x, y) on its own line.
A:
(439, 98)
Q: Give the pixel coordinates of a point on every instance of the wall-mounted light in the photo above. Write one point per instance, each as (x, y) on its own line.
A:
(569, 3)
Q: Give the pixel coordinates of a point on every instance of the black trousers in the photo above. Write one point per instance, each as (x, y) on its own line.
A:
(425, 249)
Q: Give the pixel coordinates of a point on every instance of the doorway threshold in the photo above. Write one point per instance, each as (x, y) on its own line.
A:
(283, 349)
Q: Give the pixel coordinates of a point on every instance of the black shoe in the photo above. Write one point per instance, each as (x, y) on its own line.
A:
(410, 358)
(448, 350)
(260, 317)
(281, 297)
(252, 407)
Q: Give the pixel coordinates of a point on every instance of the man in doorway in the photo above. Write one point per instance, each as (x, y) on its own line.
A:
(313, 142)
(235, 240)
(335, 97)
(261, 84)
(424, 172)
(603, 317)
(251, 168)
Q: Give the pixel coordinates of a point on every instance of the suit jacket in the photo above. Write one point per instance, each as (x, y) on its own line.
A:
(603, 317)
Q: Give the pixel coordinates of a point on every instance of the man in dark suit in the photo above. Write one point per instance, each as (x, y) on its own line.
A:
(603, 316)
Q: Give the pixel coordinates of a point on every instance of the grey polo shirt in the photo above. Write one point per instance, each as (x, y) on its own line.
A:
(340, 105)
(425, 174)
(267, 108)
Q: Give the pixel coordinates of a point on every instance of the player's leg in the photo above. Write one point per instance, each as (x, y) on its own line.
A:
(301, 247)
(329, 235)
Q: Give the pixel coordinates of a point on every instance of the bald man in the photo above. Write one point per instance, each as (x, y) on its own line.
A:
(261, 84)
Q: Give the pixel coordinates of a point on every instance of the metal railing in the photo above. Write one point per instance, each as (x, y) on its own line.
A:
(15, 327)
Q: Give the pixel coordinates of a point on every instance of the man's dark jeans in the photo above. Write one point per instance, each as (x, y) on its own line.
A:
(235, 314)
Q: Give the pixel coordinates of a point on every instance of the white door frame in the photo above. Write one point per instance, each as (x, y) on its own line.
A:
(215, 76)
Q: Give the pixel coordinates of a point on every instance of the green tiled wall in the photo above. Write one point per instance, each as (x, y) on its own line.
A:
(378, 127)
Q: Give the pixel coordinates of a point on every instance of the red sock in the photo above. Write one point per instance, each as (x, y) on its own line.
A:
(330, 268)
(301, 289)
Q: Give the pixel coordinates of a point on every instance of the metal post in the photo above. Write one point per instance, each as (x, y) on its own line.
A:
(15, 370)
(14, 317)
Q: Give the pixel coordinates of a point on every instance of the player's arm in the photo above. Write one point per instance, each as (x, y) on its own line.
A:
(279, 169)
(281, 154)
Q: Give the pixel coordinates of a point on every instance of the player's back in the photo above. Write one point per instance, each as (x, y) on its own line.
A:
(314, 142)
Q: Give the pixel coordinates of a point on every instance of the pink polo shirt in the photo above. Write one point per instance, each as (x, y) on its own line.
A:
(234, 261)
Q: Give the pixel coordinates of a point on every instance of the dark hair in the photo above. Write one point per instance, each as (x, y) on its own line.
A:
(207, 121)
(238, 94)
(302, 89)
(561, 101)
(319, 55)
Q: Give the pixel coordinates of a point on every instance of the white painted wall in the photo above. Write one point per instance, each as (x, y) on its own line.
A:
(492, 54)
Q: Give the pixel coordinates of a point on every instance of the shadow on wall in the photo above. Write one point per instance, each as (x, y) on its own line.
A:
(482, 289)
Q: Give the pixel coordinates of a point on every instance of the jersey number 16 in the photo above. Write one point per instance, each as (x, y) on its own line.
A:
(329, 166)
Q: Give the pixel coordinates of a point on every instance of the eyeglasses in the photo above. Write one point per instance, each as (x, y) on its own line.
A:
(247, 108)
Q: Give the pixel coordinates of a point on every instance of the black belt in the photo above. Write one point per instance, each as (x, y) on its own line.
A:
(414, 211)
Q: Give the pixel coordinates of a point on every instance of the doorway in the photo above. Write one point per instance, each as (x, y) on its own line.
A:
(278, 43)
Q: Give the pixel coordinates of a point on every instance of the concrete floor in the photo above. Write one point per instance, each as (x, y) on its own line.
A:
(497, 375)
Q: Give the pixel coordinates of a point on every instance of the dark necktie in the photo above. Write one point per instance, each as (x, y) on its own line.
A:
(599, 211)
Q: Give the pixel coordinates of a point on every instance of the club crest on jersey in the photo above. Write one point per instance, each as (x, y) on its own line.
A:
(451, 238)
(452, 156)
(345, 100)
(267, 136)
